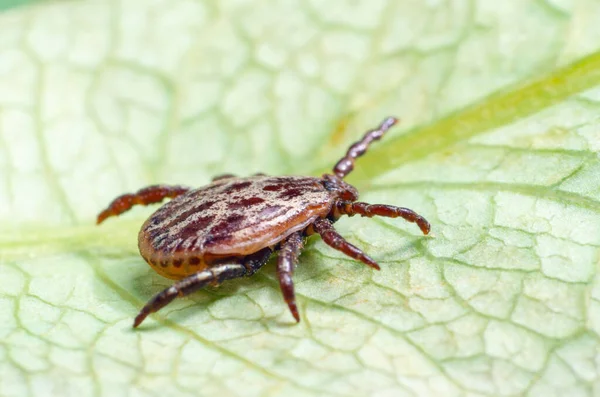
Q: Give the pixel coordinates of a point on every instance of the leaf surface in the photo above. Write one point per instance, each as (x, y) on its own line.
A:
(497, 148)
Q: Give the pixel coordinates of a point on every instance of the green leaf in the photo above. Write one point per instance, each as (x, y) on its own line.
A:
(497, 148)
(6, 4)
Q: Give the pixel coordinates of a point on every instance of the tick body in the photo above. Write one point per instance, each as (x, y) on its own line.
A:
(230, 228)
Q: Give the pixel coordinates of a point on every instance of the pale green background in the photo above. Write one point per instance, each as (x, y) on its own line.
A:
(6, 4)
(497, 147)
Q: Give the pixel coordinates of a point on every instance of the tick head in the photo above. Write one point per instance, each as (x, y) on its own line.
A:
(339, 188)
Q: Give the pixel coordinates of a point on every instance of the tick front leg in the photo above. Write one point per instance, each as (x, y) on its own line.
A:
(286, 261)
(346, 163)
(148, 195)
(332, 238)
(370, 210)
(214, 275)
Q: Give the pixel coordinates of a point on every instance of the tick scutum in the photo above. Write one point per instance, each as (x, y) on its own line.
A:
(234, 216)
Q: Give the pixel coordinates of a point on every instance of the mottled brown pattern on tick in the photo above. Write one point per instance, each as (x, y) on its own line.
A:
(226, 217)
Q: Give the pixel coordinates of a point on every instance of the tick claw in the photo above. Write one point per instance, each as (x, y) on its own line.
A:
(371, 263)
(424, 226)
(294, 311)
(101, 217)
(139, 318)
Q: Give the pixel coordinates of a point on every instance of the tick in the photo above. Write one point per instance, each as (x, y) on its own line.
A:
(230, 228)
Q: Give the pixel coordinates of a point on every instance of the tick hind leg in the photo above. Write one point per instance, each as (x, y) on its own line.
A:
(148, 195)
(332, 238)
(214, 275)
(286, 261)
(371, 210)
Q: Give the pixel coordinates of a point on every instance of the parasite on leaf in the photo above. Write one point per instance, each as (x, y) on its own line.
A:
(230, 228)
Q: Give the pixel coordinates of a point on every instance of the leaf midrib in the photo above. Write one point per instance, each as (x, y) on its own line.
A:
(496, 110)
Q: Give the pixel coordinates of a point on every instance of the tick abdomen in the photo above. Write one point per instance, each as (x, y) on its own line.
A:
(176, 267)
(229, 218)
(182, 264)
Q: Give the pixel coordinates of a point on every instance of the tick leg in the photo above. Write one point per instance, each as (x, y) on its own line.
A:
(255, 261)
(188, 285)
(223, 176)
(214, 275)
(286, 261)
(334, 240)
(148, 195)
(346, 164)
(227, 176)
(390, 211)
